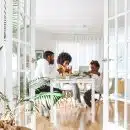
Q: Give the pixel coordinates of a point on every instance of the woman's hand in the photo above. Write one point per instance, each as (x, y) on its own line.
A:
(63, 70)
(60, 70)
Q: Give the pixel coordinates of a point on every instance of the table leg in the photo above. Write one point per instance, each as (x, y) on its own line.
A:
(33, 116)
(93, 101)
(55, 116)
(51, 115)
(82, 124)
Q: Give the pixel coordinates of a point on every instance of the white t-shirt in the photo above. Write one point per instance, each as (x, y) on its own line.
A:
(98, 84)
(44, 69)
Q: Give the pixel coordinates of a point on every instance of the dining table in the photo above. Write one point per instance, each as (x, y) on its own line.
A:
(82, 82)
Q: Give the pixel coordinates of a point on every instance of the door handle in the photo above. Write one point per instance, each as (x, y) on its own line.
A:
(105, 60)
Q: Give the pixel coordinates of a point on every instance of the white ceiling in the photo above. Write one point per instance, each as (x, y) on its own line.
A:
(69, 16)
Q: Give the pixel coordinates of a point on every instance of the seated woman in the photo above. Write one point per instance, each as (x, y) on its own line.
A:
(63, 62)
(94, 73)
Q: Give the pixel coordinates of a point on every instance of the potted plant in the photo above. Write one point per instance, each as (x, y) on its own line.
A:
(10, 112)
(8, 116)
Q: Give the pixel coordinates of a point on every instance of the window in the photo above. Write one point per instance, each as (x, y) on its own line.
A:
(82, 51)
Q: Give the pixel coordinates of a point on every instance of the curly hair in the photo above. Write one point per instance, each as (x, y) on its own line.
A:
(95, 62)
(64, 56)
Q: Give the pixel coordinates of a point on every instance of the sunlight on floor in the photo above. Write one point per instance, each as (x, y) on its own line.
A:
(114, 127)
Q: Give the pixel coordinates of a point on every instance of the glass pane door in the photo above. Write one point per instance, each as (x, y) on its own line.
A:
(22, 50)
(116, 68)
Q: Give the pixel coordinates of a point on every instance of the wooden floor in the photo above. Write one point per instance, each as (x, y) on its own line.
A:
(69, 118)
(44, 124)
(74, 118)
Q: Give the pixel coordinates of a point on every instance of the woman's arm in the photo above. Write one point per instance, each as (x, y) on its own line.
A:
(60, 69)
(63, 70)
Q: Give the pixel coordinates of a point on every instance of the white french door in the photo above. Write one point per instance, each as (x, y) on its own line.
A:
(23, 48)
(17, 35)
(116, 64)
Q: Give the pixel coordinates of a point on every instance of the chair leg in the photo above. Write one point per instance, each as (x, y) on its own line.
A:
(112, 110)
(97, 110)
(98, 105)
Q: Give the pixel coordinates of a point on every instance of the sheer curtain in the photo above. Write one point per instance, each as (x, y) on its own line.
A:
(83, 49)
(71, 48)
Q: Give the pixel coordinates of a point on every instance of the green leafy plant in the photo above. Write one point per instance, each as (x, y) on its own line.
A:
(3, 98)
(43, 98)
(10, 112)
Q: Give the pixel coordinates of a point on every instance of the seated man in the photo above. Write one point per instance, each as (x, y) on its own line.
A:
(45, 68)
(94, 73)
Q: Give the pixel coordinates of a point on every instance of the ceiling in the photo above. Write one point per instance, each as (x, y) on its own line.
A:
(69, 16)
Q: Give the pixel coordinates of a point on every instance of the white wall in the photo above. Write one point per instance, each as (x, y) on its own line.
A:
(44, 41)
(47, 41)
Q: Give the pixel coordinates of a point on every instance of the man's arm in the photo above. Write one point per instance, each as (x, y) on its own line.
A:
(45, 70)
(38, 71)
(42, 69)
